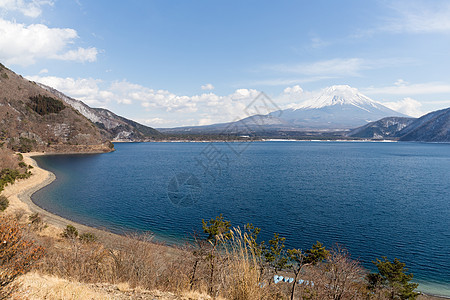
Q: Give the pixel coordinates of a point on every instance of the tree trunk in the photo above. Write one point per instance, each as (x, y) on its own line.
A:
(293, 285)
(211, 279)
(194, 269)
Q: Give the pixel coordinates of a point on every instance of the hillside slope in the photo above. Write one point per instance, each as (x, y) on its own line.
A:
(31, 118)
(432, 127)
(382, 129)
(112, 126)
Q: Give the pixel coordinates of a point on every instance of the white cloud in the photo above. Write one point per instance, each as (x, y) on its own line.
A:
(401, 87)
(150, 98)
(24, 44)
(81, 54)
(295, 96)
(206, 107)
(419, 17)
(401, 82)
(296, 89)
(205, 121)
(286, 81)
(84, 89)
(28, 8)
(154, 122)
(207, 87)
(317, 43)
(337, 66)
(43, 71)
(408, 106)
(414, 17)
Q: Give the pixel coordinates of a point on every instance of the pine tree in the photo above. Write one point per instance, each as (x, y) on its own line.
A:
(392, 276)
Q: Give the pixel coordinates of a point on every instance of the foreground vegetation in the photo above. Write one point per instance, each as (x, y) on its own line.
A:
(223, 262)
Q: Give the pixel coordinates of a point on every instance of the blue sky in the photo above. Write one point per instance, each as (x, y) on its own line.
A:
(173, 63)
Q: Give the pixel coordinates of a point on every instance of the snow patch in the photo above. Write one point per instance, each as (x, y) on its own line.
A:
(339, 95)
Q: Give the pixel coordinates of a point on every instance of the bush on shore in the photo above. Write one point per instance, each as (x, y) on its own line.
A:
(70, 232)
(17, 255)
(4, 203)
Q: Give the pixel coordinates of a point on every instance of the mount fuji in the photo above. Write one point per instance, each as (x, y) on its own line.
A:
(336, 108)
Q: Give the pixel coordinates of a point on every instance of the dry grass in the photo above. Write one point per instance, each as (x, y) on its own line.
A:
(241, 276)
(7, 159)
(133, 267)
(36, 286)
(131, 262)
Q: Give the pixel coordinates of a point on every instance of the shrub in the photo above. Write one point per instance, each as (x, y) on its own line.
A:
(70, 232)
(74, 260)
(17, 255)
(8, 176)
(88, 237)
(4, 203)
(24, 145)
(36, 222)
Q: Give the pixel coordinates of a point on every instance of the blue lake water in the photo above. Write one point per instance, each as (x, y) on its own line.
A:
(376, 199)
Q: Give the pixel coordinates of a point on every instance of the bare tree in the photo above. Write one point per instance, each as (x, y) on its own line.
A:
(341, 277)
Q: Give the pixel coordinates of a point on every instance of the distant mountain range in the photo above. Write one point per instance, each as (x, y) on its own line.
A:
(337, 108)
(112, 126)
(38, 117)
(432, 127)
(335, 113)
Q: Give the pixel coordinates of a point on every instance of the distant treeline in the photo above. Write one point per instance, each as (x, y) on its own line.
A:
(294, 135)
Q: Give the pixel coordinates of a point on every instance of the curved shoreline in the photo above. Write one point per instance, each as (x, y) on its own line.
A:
(19, 195)
(21, 191)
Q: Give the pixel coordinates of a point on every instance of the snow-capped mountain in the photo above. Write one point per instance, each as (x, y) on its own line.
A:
(336, 107)
(339, 95)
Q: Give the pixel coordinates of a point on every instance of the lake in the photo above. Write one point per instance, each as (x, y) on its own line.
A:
(376, 199)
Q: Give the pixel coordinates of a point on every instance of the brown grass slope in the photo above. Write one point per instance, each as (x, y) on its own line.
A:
(24, 127)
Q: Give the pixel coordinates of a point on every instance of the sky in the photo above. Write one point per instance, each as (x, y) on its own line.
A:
(176, 63)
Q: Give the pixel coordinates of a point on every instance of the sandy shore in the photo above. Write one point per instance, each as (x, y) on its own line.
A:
(19, 196)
